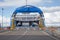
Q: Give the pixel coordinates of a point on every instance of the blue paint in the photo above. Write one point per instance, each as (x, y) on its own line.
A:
(28, 8)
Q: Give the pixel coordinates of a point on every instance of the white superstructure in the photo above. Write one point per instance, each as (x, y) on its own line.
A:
(27, 16)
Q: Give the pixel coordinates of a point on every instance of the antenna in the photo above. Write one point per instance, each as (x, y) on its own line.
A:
(26, 2)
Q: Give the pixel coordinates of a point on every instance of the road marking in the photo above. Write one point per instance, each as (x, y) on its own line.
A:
(52, 36)
(28, 28)
(22, 35)
(5, 32)
(25, 32)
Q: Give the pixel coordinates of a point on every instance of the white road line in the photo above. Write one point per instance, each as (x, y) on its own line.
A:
(5, 32)
(25, 32)
(22, 35)
(52, 36)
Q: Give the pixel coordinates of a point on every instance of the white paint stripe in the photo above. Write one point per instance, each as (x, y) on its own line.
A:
(4, 33)
(52, 36)
(22, 35)
(25, 32)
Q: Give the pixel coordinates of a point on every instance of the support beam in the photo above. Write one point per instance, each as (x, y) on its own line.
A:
(21, 24)
(13, 25)
(41, 23)
(30, 23)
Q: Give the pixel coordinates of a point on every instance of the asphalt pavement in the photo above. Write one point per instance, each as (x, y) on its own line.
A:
(26, 34)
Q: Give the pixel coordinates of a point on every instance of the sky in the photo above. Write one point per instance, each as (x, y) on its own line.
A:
(50, 8)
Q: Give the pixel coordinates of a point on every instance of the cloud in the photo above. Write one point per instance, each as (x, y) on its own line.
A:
(52, 19)
(52, 15)
(6, 21)
(47, 1)
(50, 9)
(32, 2)
(12, 3)
(23, 2)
